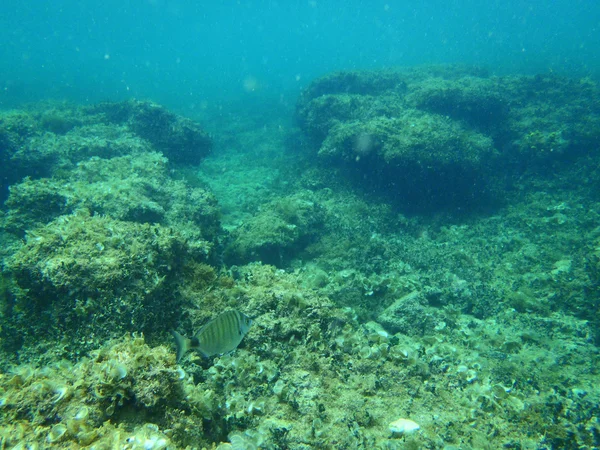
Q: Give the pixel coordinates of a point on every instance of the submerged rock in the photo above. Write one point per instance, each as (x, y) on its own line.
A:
(93, 276)
(438, 137)
(50, 138)
(180, 139)
(281, 229)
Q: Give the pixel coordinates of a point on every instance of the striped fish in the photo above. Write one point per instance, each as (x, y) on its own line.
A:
(220, 335)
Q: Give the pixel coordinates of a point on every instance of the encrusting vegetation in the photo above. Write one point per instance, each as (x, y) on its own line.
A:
(420, 263)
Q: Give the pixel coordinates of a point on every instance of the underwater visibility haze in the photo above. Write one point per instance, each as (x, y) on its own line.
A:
(183, 53)
(299, 224)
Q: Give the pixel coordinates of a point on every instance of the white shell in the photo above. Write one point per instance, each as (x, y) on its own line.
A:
(402, 426)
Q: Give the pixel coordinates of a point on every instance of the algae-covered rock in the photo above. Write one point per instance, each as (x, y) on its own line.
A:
(481, 330)
(49, 138)
(49, 153)
(106, 225)
(474, 99)
(83, 278)
(557, 118)
(16, 127)
(308, 375)
(72, 405)
(34, 202)
(134, 188)
(434, 137)
(278, 231)
(180, 139)
(410, 315)
(417, 152)
(395, 135)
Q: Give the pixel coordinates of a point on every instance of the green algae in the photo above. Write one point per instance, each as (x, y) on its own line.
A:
(438, 136)
(91, 276)
(135, 188)
(481, 328)
(279, 230)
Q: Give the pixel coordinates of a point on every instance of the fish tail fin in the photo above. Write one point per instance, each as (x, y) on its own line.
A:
(181, 343)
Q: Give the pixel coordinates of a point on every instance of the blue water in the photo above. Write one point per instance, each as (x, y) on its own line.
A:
(191, 53)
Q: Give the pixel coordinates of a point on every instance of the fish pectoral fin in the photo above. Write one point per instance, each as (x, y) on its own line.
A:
(181, 343)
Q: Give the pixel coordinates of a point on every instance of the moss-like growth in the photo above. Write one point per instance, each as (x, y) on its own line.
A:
(50, 138)
(75, 405)
(438, 137)
(16, 127)
(59, 120)
(483, 330)
(134, 188)
(556, 118)
(475, 100)
(281, 229)
(307, 374)
(180, 139)
(106, 225)
(417, 153)
(84, 278)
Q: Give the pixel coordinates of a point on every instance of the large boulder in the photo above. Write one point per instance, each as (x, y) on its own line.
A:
(179, 138)
(83, 279)
(445, 136)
